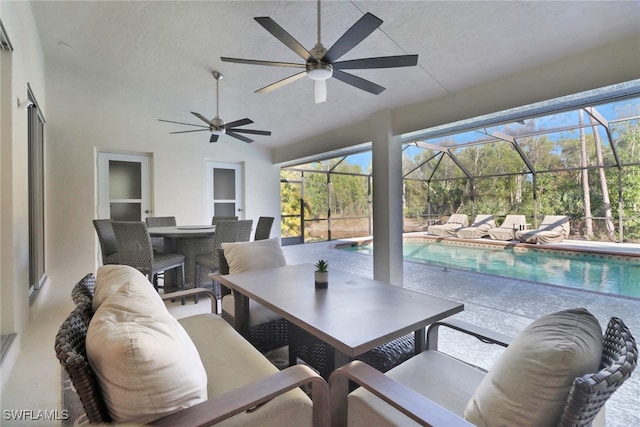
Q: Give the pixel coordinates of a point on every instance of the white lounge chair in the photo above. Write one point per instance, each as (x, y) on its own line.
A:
(554, 229)
(480, 227)
(508, 228)
(449, 228)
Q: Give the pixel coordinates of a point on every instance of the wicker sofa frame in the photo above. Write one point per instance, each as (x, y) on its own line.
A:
(71, 352)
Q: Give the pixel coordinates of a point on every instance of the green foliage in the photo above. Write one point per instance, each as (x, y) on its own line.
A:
(502, 182)
(322, 266)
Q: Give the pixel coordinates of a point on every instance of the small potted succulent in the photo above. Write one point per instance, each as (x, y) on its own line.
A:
(322, 274)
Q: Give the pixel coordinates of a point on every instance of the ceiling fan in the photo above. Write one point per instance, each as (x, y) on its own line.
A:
(217, 126)
(320, 63)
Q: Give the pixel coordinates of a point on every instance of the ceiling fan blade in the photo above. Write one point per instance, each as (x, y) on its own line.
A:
(240, 137)
(182, 123)
(251, 131)
(282, 82)
(185, 131)
(379, 62)
(320, 91)
(358, 82)
(214, 137)
(354, 35)
(257, 62)
(240, 122)
(278, 32)
(201, 117)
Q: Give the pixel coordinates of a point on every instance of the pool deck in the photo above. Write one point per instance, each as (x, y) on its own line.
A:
(504, 305)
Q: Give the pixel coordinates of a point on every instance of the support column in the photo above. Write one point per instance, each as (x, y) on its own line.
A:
(387, 200)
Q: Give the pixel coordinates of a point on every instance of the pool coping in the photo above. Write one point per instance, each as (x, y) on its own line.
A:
(568, 247)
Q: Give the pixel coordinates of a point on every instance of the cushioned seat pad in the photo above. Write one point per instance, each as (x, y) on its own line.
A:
(240, 363)
(437, 376)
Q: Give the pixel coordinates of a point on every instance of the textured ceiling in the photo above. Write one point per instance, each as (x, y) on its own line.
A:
(166, 50)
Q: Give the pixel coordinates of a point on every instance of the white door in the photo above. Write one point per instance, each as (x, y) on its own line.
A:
(124, 190)
(224, 189)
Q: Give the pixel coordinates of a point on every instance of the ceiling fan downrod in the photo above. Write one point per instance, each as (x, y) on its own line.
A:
(217, 123)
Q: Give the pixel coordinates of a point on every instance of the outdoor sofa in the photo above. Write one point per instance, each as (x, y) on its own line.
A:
(132, 362)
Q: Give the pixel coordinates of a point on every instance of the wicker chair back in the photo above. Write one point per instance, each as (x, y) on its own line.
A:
(82, 292)
(160, 221)
(590, 392)
(263, 228)
(108, 243)
(215, 219)
(135, 250)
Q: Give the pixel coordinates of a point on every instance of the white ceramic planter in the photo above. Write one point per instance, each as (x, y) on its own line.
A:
(322, 279)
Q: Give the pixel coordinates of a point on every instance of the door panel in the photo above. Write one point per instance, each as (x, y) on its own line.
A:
(224, 189)
(124, 186)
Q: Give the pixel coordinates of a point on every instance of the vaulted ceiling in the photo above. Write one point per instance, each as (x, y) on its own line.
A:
(166, 50)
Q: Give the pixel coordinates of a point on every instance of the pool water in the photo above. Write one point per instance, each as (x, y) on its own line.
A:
(606, 274)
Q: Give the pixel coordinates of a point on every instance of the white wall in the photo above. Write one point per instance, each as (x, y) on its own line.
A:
(87, 115)
(26, 66)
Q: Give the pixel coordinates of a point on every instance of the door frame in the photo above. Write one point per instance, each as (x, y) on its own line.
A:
(102, 162)
(239, 199)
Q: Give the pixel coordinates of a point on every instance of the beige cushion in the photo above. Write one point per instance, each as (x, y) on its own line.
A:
(110, 278)
(249, 256)
(145, 363)
(257, 255)
(530, 382)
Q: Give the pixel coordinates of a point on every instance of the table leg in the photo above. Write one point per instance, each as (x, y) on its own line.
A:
(339, 359)
(241, 314)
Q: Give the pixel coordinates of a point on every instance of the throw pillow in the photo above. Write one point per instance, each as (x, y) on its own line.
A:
(256, 255)
(530, 382)
(110, 278)
(145, 362)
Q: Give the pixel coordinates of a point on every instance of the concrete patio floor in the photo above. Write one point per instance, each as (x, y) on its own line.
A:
(504, 305)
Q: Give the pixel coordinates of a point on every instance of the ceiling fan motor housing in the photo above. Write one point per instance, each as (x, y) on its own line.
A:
(217, 126)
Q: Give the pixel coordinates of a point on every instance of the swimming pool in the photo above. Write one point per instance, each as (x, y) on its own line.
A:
(605, 273)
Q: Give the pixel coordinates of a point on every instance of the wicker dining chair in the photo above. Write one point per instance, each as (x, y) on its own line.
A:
(263, 228)
(160, 221)
(135, 250)
(226, 232)
(108, 244)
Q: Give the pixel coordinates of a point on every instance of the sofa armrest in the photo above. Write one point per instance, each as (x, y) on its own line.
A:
(409, 402)
(192, 292)
(251, 396)
(485, 335)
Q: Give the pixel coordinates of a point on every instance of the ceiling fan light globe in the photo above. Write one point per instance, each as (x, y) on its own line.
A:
(319, 71)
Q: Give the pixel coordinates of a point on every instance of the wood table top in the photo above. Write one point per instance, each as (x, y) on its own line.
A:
(354, 314)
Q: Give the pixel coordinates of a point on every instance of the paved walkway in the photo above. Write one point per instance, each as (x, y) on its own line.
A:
(504, 305)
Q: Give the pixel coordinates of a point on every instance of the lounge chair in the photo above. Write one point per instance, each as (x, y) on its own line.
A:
(449, 228)
(554, 229)
(480, 227)
(508, 228)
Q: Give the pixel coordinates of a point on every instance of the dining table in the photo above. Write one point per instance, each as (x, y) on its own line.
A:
(353, 314)
(190, 241)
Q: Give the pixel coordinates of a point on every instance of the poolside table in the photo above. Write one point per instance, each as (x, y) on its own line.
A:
(353, 315)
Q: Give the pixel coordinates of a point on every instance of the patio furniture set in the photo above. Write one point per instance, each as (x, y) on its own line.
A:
(201, 370)
(553, 229)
